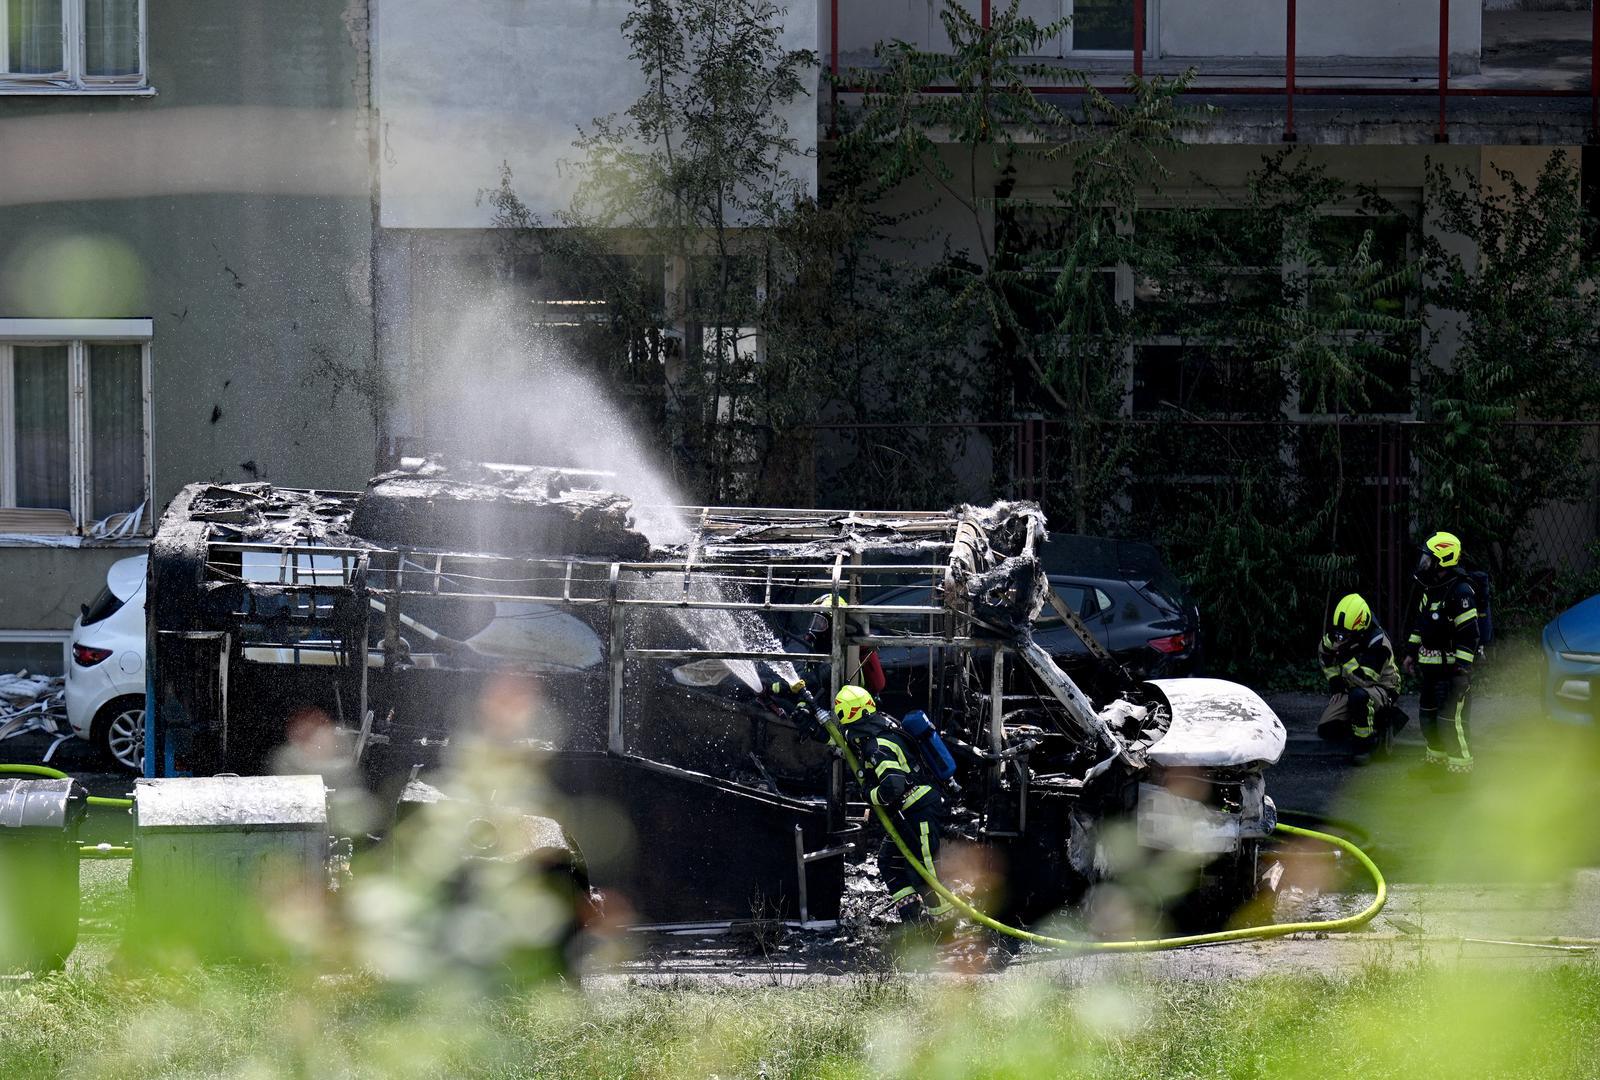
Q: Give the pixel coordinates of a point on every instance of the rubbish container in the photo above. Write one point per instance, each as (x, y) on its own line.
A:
(39, 823)
(218, 861)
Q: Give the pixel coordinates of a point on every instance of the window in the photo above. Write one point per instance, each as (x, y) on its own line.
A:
(1210, 268)
(72, 45)
(1101, 26)
(1094, 26)
(1188, 277)
(74, 426)
(1332, 244)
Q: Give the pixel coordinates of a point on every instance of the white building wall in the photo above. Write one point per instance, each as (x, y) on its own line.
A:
(463, 89)
(1198, 29)
(1359, 29)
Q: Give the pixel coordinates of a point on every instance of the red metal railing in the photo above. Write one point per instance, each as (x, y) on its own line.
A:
(1291, 88)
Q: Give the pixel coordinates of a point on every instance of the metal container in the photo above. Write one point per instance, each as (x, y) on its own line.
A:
(39, 822)
(216, 858)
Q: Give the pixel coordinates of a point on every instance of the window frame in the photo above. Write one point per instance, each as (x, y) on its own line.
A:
(77, 335)
(63, 638)
(1069, 46)
(1406, 201)
(73, 79)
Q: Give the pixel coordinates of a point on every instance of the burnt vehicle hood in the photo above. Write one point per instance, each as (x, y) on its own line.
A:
(1216, 724)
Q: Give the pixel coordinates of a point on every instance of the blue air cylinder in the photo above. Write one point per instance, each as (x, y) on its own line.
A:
(935, 754)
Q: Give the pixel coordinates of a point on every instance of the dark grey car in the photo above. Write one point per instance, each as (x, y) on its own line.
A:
(1127, 598)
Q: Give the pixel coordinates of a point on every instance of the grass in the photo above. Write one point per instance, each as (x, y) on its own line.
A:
(1411, 1021)
(321, 1017)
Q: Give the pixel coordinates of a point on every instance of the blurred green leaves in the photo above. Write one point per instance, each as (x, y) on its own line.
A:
(73, 275)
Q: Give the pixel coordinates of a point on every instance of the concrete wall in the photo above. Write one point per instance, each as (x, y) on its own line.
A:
(236, 208)
(1199, 29)
(512, 85)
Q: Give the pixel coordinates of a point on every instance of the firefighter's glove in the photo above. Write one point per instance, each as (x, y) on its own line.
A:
(952, 790)
(809, 722)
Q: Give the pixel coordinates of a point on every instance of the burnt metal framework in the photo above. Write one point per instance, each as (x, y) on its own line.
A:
(256, 586)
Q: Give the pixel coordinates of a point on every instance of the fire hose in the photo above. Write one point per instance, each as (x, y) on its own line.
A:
(1249, 933)
(48, 773)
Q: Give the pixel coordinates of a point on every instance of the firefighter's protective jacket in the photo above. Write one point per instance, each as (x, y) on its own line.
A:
(1444, 628)
(1365, 662)
(893, 775)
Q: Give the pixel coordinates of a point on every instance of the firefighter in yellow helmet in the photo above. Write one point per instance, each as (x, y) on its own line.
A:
(819, 638)
(1358, 661)
(1440, 650)
(895, 777)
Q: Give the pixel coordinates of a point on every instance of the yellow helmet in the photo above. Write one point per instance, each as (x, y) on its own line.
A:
(852, 704)
(826, 600)
(1352, 614)
(1445, 548)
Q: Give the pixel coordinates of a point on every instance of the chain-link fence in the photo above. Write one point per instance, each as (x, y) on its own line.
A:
(1270, 520)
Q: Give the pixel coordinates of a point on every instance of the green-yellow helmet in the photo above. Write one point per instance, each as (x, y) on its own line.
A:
(1445, 548)
(1352, 614)
(828, 600)
(852, 704)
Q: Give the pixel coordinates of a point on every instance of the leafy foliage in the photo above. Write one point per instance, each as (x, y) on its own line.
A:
(750, 309)
(1512, 276)
(777, 332)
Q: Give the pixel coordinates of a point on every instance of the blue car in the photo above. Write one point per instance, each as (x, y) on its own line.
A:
(1572, 664)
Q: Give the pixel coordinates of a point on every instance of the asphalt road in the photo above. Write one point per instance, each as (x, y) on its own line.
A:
(1524, 814)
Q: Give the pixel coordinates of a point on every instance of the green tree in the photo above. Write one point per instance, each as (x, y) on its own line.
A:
(752, 309)
(1513, 276)
(1054, 338)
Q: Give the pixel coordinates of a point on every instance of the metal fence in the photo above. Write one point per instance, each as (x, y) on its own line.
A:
(1357, 486)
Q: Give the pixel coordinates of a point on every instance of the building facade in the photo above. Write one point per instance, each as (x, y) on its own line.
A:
(254, 240)
(185, 274)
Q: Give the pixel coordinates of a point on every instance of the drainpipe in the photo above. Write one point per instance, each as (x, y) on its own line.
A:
(1443, 134)
(1138, 37)
(1288, 77)
(833, 67)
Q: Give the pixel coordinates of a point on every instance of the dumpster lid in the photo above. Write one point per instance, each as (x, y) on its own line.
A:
(41, 804)
(231, 802)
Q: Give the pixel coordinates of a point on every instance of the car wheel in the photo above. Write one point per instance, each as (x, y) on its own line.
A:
(119, 731)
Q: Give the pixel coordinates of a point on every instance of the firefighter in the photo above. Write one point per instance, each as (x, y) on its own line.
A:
(1358, 662)
(894, 777)
(1441, 649)
(819, 638)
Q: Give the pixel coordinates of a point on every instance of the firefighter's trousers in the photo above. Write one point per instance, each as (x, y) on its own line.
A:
(919, 826)
(1444, 712)
(1353, 715)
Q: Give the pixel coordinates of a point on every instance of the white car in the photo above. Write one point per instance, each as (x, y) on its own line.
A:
(105, 680)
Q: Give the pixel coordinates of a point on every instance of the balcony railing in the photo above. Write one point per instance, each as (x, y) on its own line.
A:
(1443, 87)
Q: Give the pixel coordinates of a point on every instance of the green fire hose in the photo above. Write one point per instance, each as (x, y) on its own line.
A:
(1349, 922)
(56, 774)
